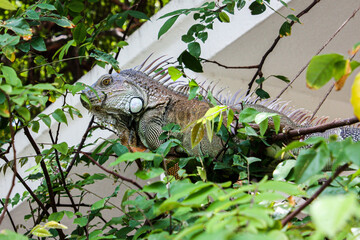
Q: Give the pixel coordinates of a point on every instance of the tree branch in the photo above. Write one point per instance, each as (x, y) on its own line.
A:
(116, 174)
(316, 194)
(308, 130)
(272, 47)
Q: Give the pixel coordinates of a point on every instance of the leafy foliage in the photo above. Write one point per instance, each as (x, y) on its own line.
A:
(247, 194)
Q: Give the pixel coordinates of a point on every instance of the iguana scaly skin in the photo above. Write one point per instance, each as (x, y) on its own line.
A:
(139, 102)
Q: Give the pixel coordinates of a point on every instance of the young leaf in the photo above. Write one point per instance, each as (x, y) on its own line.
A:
(5, 4)
(174, 73)
(224, 17)
(197, 134)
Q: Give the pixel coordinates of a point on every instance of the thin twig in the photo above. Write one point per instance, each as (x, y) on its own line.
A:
(229, 67)
(326, 43)
(277, 39)
(8, 213)
(46, 64)
(32, 194)
(115, 174)
(82, 142)
(316, 194)
(46, 175)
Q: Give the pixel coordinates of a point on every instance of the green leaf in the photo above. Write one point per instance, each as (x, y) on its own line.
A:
(40, 231)
(310, 162)
(156, 187)
(24, 113)
(35, 126)
(283, 169)
(46, 6)
(82, 221)
(19, 26)
(321, 69)
(224, 17)
(190, 62)
(149, 173)
(293, 18)
(5, 4)
(79, 33)
(248, 115)
(33, 15)
(197, 134)
(285, 29)
(167, 25)
(99, 204)
(281, 77)
(59, 116)
(76, 6)
(56, 216)
(8, 40)
(130, 157)
(119, 149)
(9, 235)
(285, 187)
(330, 213)
(292, 145)
(187, 38)
(194, 49)
(174, 73)
(105, 57)
(138, 15)
(62, 147)
(262, 93)
(353, 152)
(59, 20)
(38, 44)
(257, 8)
(10, 76)
(46, 119)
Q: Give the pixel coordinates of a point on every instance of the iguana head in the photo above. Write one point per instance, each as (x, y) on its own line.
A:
(116, 96)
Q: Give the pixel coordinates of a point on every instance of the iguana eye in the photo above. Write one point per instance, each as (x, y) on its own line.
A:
(136, 105)
(106, 81)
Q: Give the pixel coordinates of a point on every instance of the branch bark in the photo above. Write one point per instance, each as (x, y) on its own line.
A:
(293, 214)
(315, 129)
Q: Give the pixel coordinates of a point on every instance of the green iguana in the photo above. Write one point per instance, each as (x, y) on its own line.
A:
(138, 102)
